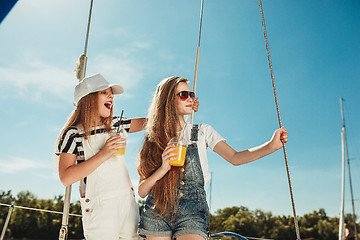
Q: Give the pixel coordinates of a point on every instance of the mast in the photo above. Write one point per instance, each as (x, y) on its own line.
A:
(345, 156)
(341, 219)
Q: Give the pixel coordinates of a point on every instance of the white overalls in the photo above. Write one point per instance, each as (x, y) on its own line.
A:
(108, 204)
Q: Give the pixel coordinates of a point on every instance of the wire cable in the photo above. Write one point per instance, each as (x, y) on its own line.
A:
(280, 124)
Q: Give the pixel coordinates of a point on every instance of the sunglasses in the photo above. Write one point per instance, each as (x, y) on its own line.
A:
(184, 95)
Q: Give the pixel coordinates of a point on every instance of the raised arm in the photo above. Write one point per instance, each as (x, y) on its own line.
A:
(137, 124)
(237, 158)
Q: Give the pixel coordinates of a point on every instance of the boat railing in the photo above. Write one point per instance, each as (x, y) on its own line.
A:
(11, 207)
(232, 235)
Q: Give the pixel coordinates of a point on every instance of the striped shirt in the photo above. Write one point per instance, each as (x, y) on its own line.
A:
(71, 139)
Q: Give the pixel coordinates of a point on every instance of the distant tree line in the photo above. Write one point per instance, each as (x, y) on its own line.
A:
(316, 225)
(27, 224)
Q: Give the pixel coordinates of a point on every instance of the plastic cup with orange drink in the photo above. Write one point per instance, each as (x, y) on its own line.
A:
(181, 151)
(123, 134)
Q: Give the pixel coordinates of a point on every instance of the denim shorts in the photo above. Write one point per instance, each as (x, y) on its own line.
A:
(192, 218)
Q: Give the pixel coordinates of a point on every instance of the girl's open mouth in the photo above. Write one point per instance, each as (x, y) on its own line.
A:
(108, 105)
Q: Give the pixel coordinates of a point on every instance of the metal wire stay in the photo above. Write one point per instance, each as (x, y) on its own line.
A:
(280, 124)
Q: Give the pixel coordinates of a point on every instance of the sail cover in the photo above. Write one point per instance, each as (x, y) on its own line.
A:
(5, 7)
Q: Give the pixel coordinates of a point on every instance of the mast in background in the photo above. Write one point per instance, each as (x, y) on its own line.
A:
(341, 219)
(345, 154)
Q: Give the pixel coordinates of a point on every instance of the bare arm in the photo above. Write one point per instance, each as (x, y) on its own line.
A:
(70, 172)
(237, 158)
(147, 184)
(137, 124)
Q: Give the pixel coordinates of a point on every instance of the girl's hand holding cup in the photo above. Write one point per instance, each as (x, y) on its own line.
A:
(112, 145)
(120, 136)
(168, 155)
(180, 151)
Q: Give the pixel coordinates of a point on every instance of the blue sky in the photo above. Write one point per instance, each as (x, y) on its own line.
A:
(314, 47)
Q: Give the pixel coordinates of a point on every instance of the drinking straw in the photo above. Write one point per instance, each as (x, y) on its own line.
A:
(118, 128)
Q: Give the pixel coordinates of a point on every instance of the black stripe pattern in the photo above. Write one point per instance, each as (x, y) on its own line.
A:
(71, 140)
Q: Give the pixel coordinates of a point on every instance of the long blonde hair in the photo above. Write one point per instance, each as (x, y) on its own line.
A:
(86, 114)
(162, 125)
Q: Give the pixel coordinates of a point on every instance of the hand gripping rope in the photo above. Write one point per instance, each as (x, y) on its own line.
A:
(279, 118)
(80, 71)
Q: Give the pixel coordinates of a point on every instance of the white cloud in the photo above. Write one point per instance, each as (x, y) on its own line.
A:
(16, 164)
(118, 70)
(34, 79)
(54, 9)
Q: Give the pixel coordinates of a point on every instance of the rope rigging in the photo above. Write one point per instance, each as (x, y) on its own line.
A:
(280, 124)
(80, 71)
(80, 68)
(37, 209)
(197, 57)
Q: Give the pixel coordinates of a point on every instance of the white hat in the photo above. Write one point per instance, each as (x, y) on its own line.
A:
(93, 84)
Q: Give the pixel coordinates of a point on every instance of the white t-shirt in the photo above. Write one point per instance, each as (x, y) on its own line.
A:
(207, 137)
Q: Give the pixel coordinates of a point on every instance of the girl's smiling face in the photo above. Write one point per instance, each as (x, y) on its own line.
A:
(105, 101)
(183, 107)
